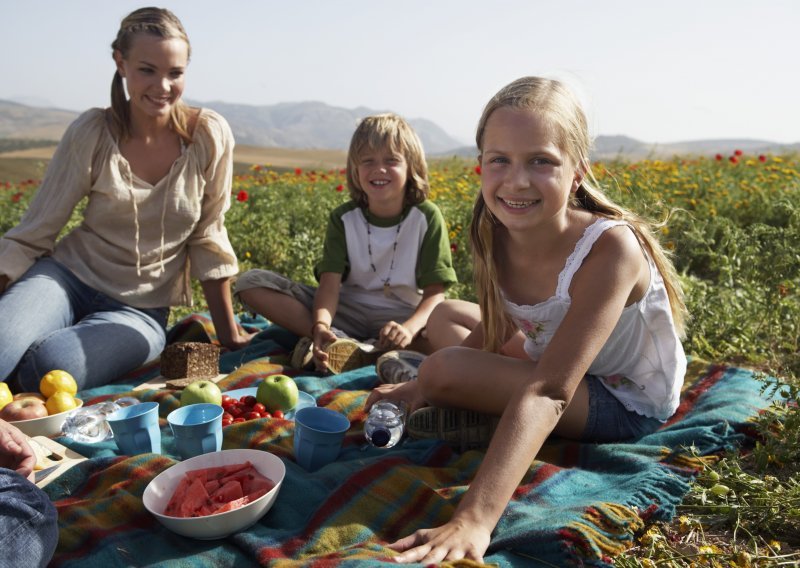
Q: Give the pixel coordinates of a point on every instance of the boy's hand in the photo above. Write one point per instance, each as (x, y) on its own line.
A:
(241, 340)
(323, 336)
(394, 336)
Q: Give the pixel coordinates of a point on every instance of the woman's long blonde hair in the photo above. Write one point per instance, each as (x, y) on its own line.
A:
(558, 104)
(161, 23)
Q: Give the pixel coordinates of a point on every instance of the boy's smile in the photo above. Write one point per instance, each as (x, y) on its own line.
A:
(382, 175)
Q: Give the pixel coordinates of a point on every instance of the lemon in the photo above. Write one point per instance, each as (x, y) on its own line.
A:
(60, 402)
(58, 381)
(5, 395)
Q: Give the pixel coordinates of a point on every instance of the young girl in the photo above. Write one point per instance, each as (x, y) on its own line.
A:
(157, 175)
(385, 263)
(582, 314)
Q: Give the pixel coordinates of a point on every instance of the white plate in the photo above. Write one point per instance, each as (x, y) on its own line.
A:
(49, 426)
(159, 491)
(303, 400)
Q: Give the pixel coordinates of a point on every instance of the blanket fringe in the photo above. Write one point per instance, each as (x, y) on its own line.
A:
(685, 460)
(605, 530)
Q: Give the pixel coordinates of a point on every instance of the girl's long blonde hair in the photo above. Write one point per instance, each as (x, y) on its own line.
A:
(558, 104)
(161, 23)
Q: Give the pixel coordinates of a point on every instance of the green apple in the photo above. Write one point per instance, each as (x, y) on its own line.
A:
(201, 391)
(278, 392)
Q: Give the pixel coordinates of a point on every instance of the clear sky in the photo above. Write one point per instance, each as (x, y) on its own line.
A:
(656, 71)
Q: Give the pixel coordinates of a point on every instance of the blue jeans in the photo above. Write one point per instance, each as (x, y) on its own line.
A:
(609, 420)
(51, 320)
(28, 523)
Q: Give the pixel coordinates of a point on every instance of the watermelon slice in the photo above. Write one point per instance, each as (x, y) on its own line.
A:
(196, 498)
(177, 498)
(217, 473)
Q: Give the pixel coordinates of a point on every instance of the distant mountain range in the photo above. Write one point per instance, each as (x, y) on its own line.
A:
(318, 125)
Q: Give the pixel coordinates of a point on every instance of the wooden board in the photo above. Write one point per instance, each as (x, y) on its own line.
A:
(160, 382)
(50, 453)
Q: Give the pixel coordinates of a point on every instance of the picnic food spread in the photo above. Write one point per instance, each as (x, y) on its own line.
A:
(213, 490)
(190, 360)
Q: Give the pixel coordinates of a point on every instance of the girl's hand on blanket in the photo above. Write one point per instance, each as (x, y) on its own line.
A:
(15, 453)
(394, 335)
(407, 392)
(452, 541)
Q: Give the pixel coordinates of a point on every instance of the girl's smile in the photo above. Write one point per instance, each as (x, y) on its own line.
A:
(526, 178)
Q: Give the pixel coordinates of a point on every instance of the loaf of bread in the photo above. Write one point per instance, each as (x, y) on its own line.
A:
(191, 360)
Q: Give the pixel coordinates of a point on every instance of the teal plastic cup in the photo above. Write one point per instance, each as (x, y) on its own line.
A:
(136, 428)
(197, 429)
(318, 435)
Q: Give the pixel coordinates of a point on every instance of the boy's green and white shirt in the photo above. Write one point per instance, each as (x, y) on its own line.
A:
(422, 256)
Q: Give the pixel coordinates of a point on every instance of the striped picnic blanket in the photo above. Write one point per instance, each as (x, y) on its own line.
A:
(579, 504)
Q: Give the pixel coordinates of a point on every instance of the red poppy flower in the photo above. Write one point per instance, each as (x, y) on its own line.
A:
(453, 247)
(734, 160)
(762, 158)
(478, 170)
(737, 152)
(16, 197)
(298, 171)
(340, 187)
(718, 157)
(242, 196)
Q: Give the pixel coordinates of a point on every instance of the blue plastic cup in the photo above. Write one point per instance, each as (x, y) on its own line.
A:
(197, 429)
(318, 435)
(136, 428)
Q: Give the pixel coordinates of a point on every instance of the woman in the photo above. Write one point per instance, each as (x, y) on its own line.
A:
(156, 175)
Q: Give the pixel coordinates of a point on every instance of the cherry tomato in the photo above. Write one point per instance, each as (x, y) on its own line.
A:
(266, 414)
(248, 400)
(258, 407)
(235, 411)
(238, 419)
(227, 416)
(227, 421)
(226, 399)
(277, 414)
(252, 415)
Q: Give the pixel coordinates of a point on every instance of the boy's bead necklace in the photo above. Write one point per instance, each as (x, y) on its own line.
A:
(387, 282)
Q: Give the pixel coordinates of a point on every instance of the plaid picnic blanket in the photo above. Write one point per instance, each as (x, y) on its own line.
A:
(579, 504)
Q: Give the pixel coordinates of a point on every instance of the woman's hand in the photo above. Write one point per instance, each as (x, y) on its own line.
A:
(15, 453)
(452, 541)
(407, 392)
(394, 335)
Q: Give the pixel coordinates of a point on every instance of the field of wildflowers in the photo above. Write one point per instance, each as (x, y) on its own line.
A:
(733, 225)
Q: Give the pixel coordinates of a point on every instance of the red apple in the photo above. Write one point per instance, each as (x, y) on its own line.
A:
(23, 409)
(24, 395)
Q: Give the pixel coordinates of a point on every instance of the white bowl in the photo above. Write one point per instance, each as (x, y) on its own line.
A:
(49, 426)
(159, 491)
